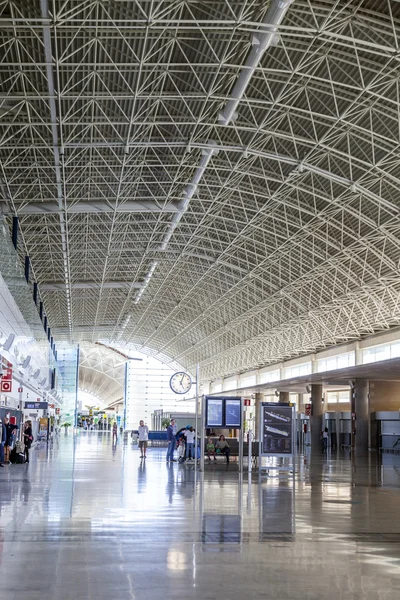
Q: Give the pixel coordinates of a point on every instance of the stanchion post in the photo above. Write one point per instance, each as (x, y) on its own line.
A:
(250, 449)
(241, 435)
(196, 423)
(203, 430)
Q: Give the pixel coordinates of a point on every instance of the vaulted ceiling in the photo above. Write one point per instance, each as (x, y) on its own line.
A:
(216, 181)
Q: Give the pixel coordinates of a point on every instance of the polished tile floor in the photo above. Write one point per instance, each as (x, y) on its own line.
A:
(85, 520)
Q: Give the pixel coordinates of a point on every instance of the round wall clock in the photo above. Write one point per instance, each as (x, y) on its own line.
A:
(180, 383)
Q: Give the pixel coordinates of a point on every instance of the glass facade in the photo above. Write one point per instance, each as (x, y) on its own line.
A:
(297, 370)
(148, 390)
(67, 358)
(340, 361)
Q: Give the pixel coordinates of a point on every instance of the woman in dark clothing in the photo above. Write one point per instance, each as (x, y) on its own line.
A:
(28, 439)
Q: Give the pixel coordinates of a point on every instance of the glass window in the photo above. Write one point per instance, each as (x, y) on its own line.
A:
(297, 370)
(377, 353)
(216, 388)
(270, 376)
(251, 380)
(231, 384)
(340, 361)
(395, 350)
(344, 396)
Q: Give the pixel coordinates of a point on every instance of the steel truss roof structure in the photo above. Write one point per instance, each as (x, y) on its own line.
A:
(102, 371)
(214, 180)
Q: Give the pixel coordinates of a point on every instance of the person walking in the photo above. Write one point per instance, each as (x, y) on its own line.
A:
(324, 437)
(115, 432)
(143, 432)
(171, 437)
(2, 442)
(190, 435)
(28, 439)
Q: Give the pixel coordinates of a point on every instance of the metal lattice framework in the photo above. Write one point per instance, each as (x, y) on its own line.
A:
(217, 180)
(102, 371)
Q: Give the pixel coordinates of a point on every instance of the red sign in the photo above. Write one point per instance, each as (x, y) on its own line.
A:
(20, 389)
(7, 371)
(51, 405)
(247, 401)
(5, 386)
(307, 410)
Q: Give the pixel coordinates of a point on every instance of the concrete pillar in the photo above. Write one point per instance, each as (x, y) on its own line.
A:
(361, 409)
(316, 417)
(258, 399)
(301, 402)
(283, 396)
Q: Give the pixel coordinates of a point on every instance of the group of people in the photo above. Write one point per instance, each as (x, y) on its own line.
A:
(185, 439)
(8, 439)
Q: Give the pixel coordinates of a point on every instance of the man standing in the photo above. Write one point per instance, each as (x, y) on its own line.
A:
(9, 433)
(143, 432)
(171, 437)
(2, 442)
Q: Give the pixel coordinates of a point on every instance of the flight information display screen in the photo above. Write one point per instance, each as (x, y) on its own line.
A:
(214, 413)
(277, 428)
(233, 413)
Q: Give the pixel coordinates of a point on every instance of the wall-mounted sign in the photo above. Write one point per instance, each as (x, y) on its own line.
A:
(20, 389)
(36, 405)
(6, 370)
(307, 410)
(5, 386)
(247, 402)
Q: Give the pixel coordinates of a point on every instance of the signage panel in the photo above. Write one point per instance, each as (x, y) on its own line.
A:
(233, 413)
(214, 412)
(36, 405)
(277, 428)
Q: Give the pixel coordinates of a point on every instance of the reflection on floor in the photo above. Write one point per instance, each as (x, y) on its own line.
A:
(85, 520)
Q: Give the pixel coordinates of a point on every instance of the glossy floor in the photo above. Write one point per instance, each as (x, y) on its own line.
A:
(85, 520)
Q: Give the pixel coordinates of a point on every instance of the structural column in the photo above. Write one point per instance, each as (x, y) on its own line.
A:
(316, 417)
(257, 402)
(360, 406)
(283, 396)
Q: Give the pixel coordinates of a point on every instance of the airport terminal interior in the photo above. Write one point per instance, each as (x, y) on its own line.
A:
(200, 299)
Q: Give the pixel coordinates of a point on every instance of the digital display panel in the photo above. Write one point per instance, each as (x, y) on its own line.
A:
(36, 405)
(277, 429)
(233, 413)
(214, 412)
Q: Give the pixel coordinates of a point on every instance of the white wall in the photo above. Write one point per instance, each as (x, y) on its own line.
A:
(147, 389)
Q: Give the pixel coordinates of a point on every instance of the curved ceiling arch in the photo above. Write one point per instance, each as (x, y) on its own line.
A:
(232, 242)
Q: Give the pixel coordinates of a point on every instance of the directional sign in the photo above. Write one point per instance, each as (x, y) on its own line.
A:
(36, 405)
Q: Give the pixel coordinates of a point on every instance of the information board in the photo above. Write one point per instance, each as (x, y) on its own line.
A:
(233, 413)
(36, 405)
(214, 412)
(277, 428)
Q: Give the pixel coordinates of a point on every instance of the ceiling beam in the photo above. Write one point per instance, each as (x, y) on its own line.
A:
(59, 286)
(43, 208)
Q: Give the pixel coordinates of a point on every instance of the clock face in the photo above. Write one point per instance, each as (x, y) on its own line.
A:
(180, 383)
